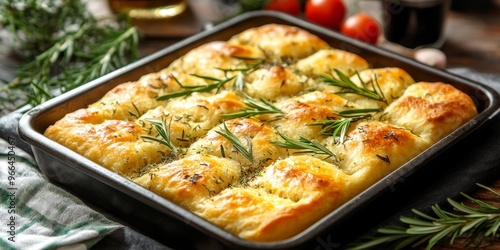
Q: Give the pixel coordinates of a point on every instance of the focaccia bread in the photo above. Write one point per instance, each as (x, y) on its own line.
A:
(266, 133)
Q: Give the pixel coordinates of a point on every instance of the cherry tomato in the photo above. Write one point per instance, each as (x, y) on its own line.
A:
(362, 27)
(291, 7)
(329, 13)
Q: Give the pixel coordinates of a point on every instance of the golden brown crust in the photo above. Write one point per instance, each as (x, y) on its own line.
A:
(191, 180)
(282, 194)
(274, 82)
(391, 82)
(374, 149)
(208, 59)
(431, 110)
(259, 191)
(259, 134)
(190, 118)
(306, 109)
(112, 143)
(325, 60)
(280, 42)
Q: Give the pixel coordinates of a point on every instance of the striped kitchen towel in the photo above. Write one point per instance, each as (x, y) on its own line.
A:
(36, 214)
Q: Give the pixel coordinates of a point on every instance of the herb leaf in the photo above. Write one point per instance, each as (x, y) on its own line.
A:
(238, 145)
(348, 86)
(254, 108)
(338, 128)
(164, 132)
(249, 67)
(218, 83)
(475, 224)
(305, 146)
(62, 46)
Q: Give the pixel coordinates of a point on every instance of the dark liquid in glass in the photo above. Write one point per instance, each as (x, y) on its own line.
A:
(414, 23)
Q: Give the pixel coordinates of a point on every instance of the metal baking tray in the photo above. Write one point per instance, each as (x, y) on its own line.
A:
(177, 227)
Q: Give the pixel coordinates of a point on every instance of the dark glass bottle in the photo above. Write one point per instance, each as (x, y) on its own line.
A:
(415, 23)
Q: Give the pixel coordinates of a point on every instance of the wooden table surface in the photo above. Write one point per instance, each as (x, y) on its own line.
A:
(472, 41)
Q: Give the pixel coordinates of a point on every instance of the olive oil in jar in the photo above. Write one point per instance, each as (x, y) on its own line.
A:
(148, 9)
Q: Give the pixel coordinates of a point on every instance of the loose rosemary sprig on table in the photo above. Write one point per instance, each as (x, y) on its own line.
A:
(34, 25)
(163, 131)
(348, 86)
(254, 108)
(247, 151)
(305, 146)
(475, 224)
(338, 128)
(60, 46)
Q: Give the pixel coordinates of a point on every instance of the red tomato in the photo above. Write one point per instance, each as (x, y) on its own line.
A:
(362, 27)
(329, 13)
(291, 7)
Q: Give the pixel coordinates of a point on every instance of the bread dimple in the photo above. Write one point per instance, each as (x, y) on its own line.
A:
(254, 135)
(327, 99)
(274, 82)
(301, 177)
(325, 61)
(125, 101)
(191, 180)
(192, 117)
(282, 194)
(211, 59)
(246, 174)
(295, 122)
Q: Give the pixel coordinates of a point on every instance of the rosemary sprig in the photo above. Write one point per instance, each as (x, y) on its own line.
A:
(112, 53)
(164, 132)
(239, 81)
(476, 224)
(217, 84)
(62, 46)
(338, 128)
(250, 66)
(247, 152)
(34, 25)
(254, 108)
(348, 86)
(305, 146)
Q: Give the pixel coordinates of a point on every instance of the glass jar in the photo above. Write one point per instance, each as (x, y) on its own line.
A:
(148, 9)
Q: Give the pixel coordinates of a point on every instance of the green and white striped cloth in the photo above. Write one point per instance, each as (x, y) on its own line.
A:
(36, 214)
